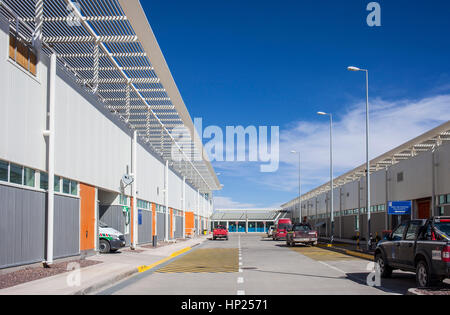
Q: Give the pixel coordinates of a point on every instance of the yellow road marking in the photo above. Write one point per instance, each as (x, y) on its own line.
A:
(175, 254)
(362, 255)
(320, 254)
(211, 260)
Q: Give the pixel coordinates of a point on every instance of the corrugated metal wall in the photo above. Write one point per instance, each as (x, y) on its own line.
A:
(196, 224)
(67, 227)
(161, 222)
(145, 228)
(22, 226)
(178, 227)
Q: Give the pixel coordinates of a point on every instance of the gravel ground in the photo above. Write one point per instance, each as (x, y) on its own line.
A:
(34, 273)
(136, 251)
(160, 244)
(440, 291)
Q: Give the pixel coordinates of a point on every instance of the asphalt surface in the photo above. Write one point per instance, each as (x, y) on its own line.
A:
(255, 265)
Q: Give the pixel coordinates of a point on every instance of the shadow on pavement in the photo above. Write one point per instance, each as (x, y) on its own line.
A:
(399, 283)
(293, 274)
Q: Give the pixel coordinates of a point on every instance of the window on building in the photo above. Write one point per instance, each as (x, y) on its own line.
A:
(4, 171)
(74, 188)
(29, 177)
(15, 174)
(66, 186)
(400, 177)
(57, 185)
(44, 181)
(442, 199)
(356, 223)
(123, 200)
(22, 53)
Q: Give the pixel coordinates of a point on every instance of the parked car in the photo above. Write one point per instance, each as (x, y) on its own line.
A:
(220, 232)
(301, 233)
(110, 240)
(270, 231)
(421, 246)
(281, 229)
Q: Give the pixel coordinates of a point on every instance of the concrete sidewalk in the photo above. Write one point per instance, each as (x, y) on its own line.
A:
(114, 267)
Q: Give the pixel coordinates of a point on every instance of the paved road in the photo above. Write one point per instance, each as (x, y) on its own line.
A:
(254, 265)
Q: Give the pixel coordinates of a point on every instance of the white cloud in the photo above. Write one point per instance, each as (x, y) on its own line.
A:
(392, 124)
(229, 203)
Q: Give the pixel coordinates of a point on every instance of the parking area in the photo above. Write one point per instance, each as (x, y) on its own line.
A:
(252, 264)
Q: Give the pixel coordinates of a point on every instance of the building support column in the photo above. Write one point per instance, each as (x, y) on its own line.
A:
(434, 208)
(50, 134)
(386, 206)
(166, 201)
(184, 207)
(198, 212)
(134, 241)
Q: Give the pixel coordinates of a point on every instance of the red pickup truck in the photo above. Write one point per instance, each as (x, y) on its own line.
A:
(301, 233)
(220, 232)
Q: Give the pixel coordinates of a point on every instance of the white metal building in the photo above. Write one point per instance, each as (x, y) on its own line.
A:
(417, 171)
(87, 97)
(246, 220)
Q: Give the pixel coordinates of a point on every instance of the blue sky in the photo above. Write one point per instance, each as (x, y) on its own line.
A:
(277, 63)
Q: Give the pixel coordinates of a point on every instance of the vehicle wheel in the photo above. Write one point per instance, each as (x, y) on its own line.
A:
(292, 244)
(104, 246)
(214, 238)
(113, 250)
(423, 275)
(385, 270)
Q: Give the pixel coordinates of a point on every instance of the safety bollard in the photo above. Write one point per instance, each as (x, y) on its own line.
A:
(357, 240)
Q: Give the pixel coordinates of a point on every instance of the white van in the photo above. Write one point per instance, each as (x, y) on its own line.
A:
(110, 240)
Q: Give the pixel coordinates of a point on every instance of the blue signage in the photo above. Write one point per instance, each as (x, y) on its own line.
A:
(399, 207)
(140, 217)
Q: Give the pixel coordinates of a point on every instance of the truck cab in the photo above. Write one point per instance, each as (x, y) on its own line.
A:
(421, 246)
(280, 232)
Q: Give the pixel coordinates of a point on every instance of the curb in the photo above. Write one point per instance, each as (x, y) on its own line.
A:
(350, 253)
(98, 286)
(111, 281)
(414, 291)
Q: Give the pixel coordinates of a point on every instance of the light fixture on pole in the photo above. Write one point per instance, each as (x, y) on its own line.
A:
(299, 188)
(331, 174)
(369, 232)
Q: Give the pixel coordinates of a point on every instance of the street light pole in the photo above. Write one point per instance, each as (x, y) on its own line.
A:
(299, 187)
(369, 232)
(331, 174)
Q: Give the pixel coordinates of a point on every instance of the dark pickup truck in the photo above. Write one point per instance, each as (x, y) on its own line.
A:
(420, 246)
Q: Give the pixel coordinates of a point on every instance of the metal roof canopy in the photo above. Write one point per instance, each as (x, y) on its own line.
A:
(429, 141)
(246, 214)
(110, 48)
